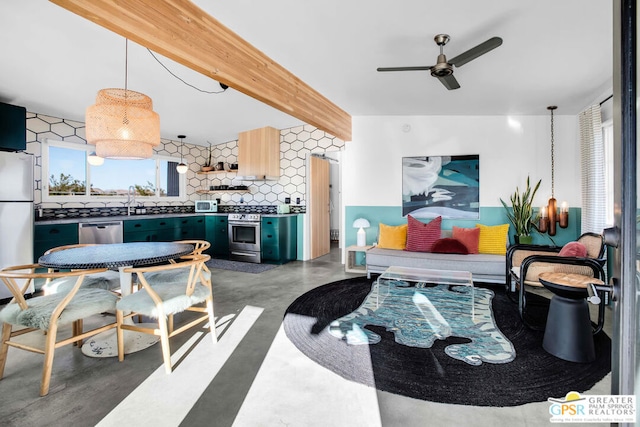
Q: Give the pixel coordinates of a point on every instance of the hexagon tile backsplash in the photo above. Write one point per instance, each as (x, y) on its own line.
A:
(295, 146)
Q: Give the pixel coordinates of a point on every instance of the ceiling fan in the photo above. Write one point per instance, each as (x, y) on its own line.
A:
(443, 69)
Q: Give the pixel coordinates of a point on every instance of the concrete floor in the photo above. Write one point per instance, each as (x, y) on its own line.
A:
(253, 376)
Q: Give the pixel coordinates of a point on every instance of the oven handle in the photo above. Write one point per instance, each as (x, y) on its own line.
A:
(244, 223)
(246, 254)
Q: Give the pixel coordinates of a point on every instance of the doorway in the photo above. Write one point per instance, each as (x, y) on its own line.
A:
(323, 201)
(319, 204)
(626, 266)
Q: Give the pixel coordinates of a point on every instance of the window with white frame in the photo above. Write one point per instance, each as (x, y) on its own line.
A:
(66, 176)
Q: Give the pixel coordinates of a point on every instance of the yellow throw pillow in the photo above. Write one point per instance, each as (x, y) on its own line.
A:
(392, 236)
(493, 239)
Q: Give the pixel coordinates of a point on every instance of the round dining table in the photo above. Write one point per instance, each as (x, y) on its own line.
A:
(118, 256)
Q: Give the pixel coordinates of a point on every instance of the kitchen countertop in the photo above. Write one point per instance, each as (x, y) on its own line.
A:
(94, 219)
(278, 215)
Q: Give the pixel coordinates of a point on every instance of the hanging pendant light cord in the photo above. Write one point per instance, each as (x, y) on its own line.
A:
(126, 62)
(552, 156)
(222, 85)
(125, 120)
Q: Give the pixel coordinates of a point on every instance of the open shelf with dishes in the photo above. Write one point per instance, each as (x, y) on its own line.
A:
(215, 172)
(231, 190)
(229, 187)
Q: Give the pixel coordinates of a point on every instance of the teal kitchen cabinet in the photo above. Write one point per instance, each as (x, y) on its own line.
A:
(190, 228)
(140, 230)
(164, 229)
(47, 236)
(279, 239)
(217, 233)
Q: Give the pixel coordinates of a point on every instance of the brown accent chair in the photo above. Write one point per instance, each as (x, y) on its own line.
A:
(526, 262)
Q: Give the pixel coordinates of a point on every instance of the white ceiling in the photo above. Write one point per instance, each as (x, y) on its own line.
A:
(554, 52)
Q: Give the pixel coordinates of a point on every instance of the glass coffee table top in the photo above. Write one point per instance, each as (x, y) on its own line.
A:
(420, 306)
(412, 274)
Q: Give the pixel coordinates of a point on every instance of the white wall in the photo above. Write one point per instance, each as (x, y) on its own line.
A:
(509, 149)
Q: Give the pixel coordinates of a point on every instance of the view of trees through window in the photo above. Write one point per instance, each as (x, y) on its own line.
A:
(64, 178)
(70, 174)
(66, 185)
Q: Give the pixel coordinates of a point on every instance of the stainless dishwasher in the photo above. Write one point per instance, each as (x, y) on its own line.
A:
(100, 232)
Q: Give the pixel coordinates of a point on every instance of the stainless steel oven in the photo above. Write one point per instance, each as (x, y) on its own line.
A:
(244, 237)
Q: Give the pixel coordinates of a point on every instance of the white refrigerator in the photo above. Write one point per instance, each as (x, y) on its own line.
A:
(16, 212)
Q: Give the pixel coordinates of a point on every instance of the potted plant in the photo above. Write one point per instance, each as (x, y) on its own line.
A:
(207, 164)
(521, 212)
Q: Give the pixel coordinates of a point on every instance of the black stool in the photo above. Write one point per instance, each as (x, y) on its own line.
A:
(568, 334)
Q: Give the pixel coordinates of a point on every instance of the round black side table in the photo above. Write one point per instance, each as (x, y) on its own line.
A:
(568, 334)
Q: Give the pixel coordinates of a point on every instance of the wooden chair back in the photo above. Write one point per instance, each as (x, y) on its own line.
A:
(179, 291)
(50, 309)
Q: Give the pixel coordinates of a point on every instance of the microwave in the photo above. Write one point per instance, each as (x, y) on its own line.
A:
(206, 206)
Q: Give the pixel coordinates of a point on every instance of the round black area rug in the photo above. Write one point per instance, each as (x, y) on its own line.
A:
(429, 373)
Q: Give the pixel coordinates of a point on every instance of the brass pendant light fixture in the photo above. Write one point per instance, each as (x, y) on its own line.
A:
(122, 123)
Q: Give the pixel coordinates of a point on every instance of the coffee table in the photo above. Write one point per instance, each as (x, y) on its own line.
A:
(420, 306)
(413, 274)
(418, 277)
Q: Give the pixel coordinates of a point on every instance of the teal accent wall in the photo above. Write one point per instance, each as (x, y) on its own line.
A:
(392, 215)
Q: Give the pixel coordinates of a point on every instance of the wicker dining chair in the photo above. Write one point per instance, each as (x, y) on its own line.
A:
(163, 296)
(49, 313)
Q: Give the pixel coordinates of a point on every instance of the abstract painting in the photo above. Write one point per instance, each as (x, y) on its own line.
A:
(447, 186)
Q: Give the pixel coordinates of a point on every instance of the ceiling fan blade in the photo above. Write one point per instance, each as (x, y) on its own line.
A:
(474, 52)
(449, 82)
(419, 68)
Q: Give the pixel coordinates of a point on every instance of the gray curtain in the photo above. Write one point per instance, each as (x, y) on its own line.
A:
(173, 180)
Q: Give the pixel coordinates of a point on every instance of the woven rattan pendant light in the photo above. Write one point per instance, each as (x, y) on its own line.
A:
(122, 123)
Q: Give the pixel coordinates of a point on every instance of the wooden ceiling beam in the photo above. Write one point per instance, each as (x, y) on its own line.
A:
(180, 30)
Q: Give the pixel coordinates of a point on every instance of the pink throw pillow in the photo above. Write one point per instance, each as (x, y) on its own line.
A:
(421, 236)
(468, 236)
(575, 249)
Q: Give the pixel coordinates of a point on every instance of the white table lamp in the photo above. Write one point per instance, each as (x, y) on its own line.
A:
(361, 224)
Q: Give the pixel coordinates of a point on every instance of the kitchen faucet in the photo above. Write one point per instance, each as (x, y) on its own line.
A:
(131, 198)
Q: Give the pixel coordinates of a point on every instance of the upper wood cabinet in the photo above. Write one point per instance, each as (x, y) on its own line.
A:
(259, 153)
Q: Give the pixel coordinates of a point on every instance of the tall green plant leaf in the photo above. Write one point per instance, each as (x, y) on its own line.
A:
(520, 213)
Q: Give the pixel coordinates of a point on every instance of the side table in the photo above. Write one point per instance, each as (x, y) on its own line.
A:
(350, 265)
(568, 333)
